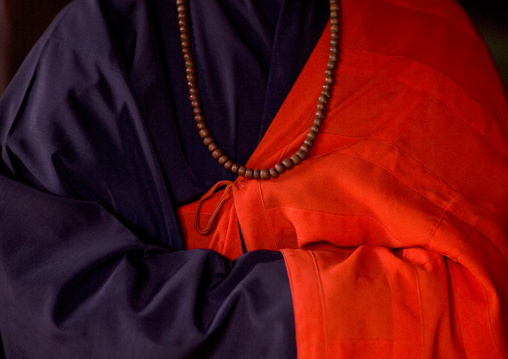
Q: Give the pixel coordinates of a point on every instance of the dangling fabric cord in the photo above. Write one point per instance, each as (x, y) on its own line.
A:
(208, 195)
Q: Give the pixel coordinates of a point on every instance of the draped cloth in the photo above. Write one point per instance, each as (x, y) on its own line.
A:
(98, 147)
(394, 229)
(389, 240)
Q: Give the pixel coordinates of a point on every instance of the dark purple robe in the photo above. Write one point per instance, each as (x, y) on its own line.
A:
(98, 149)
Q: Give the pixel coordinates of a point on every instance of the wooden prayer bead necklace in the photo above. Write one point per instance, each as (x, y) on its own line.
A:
(204, 132)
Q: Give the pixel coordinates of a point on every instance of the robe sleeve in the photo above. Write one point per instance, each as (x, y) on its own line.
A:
(85, 266)
(401, 244)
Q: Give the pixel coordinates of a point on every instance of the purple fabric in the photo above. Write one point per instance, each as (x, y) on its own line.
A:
(98, 148)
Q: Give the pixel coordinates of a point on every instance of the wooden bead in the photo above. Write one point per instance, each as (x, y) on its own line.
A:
(204, 133)
(280, 168)
(311, 135)
(301, 154)
(223, 159)
(274, 173)
(199, 118)
(229, 166)
(304, 148)
(288, 163)
(216, 154)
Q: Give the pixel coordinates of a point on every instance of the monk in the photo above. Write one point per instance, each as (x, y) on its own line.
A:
(211, 179)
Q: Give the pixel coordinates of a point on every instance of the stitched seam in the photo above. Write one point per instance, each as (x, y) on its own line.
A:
(434, 95)
(323, 308)
(417, 191)
(224, 239)
(421, 309)
(266, 215)
(291, 286)
(432, 69)
(435, 229)
(446, 184)
(340, 215)
(457, 193)
(451, 300)
(488, 311)
(422, 194)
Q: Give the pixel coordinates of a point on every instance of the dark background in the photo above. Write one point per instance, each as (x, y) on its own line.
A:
(23, 21)
(491, 18)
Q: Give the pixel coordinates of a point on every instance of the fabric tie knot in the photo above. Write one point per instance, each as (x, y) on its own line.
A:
(216, 211)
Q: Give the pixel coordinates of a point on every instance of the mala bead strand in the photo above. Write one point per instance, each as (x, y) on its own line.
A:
(199, 118)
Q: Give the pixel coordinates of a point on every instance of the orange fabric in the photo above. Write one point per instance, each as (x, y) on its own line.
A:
(394, 230)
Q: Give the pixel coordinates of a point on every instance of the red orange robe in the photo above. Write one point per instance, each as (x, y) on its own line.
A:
(394, 229)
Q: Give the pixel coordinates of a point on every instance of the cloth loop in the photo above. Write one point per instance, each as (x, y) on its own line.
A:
(216, 211)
